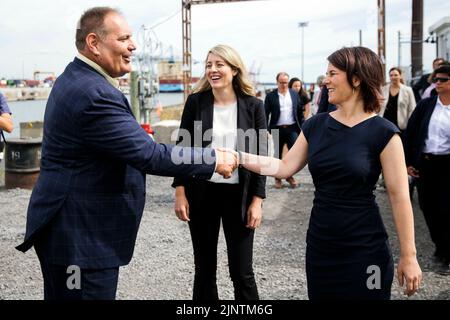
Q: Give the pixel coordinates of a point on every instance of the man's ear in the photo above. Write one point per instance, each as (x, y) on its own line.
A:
(92, 43)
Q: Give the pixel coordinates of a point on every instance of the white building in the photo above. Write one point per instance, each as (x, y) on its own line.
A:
(441, 30)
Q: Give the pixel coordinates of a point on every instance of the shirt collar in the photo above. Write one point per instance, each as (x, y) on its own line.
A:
(439, 103)
(113, 81)
(283, 95)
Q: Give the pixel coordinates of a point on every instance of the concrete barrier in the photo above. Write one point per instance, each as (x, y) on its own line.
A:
(32, 129)
(164, 131)
(20, 94)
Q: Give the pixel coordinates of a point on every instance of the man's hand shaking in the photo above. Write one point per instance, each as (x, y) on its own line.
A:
(227, 162)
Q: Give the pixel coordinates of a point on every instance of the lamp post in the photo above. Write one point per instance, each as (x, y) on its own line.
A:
(302, 25)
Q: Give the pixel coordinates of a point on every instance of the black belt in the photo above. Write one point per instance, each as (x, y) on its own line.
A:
(284, 126)
(431, 156)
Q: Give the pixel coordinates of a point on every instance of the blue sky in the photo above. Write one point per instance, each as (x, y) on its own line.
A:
(38, 35)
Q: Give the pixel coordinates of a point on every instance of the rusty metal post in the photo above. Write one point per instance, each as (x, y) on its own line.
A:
(416, 38)
(382, 33)
(187, 48)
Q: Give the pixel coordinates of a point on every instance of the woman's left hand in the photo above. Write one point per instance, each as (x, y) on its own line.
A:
(254, 215)
(409, 274)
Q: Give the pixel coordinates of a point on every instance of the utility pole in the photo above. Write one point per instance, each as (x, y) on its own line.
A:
(360, 37)
(382, 33)
(416, 38)
(302, 25)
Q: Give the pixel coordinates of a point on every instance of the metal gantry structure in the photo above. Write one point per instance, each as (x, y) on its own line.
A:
(187, 38)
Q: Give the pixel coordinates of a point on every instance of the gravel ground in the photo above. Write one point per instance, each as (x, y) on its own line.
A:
(162, 266)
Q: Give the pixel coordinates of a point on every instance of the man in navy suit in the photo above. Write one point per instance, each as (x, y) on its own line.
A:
(87, 204)
(285, 111)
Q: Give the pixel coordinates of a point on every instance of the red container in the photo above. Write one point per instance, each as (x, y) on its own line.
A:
(147, 128)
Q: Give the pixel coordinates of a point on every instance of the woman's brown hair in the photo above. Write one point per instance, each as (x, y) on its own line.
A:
(364, 64)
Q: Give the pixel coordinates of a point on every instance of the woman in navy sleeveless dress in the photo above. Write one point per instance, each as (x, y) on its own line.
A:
(348, 255)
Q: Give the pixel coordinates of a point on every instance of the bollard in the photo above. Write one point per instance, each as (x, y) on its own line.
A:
(22, 162)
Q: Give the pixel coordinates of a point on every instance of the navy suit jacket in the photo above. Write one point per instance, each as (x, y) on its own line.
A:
(87, 204)
(272, 107)
(417, 130)
(250, 115)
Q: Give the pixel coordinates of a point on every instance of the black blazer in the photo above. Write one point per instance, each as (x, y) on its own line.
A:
(272, 108)
(417, 130)
(250, 115)
(420, 86)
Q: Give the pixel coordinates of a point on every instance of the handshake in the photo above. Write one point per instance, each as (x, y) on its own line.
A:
(227, 161)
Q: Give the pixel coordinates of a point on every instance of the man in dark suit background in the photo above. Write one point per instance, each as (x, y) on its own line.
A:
(87, 204)
(285, 111)
(422, 84)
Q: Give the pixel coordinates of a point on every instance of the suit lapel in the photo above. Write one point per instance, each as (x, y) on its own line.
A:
(428, 114)
(207, 116)
(243, 122)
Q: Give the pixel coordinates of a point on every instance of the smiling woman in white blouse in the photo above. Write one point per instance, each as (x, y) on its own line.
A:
(222, 107)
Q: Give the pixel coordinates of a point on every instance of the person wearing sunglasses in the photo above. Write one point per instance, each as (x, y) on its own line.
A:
(424, 82)
(428, 159)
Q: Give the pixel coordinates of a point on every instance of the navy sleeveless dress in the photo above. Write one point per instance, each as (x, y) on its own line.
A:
(347, 255)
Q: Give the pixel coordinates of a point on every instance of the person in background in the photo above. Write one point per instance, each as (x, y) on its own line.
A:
(399, 101)
(297, 85)
(311, 91)
(224, 101)
(284, 113)
(428, 160)
(346, 150)
(6, 122)
(322, 98)
(431, 90)
(424, 82)
(398, 105)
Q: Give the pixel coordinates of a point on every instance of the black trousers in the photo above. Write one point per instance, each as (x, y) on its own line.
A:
(222, 202)
(433, 188)
(61, 283)
(288, 135)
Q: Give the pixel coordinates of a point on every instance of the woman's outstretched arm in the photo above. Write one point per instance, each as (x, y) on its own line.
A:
(396, 179)
(294, 161)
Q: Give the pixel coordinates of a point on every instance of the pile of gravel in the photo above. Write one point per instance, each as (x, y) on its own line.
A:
(162, 266)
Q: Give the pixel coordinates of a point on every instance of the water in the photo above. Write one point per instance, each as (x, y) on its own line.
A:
(33, 110)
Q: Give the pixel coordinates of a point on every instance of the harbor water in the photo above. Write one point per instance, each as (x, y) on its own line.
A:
(33, 110)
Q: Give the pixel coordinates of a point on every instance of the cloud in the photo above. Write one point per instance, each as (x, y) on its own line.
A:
(40, 34)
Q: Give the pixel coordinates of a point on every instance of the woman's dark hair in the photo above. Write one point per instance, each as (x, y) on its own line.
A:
(302, 91)
(364, 64)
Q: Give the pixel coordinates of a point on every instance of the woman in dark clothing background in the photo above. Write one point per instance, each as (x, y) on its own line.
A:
(297, 85)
